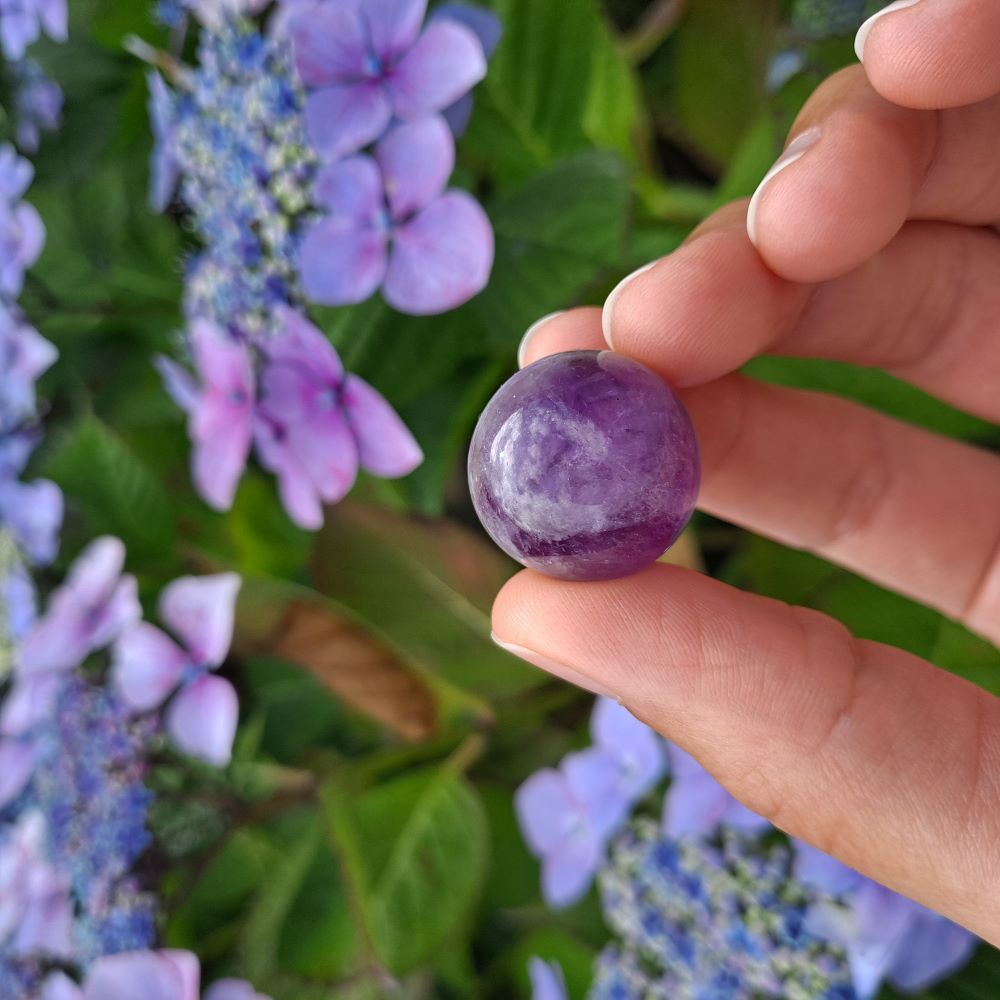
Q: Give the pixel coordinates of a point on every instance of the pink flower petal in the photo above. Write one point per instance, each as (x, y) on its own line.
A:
(343, 119)
(385, 445)
(298, 492)
(298, 343)
(351, 190)
(340, 265)
(416, 159)
(446, 61)
(200, 609)
(120, 610)
(393, 25)
(202, 719)
(326, 447)
(442, 258)
(29, 702)
(146, 974)
(146, 665)
(330, 44)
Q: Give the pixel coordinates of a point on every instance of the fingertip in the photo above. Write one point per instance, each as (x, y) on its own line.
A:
(571, 330)
(933, 55)
(611, 303)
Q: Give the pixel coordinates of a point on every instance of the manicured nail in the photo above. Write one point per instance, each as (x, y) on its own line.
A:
(522, 349)
(866, 29)
(796, 149)
(553, 667)
(609, 305)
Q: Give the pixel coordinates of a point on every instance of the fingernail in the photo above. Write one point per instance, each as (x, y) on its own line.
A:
(609, 305)
(553, 667)
(797, 148)
(866, 29)
(522, 348)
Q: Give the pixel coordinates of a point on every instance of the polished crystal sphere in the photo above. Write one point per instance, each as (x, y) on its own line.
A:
(584, 466)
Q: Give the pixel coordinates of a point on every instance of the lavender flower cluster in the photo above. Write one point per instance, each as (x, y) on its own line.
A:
(705, 903)
(75, 919)
(261, 139)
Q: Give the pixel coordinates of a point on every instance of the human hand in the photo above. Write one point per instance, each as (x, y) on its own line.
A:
(873, 244)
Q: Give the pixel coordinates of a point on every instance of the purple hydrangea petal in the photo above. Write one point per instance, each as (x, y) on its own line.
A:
(58, 986)
(17, 762)
(416, 160)
(544, 808)
(632, 743)
(442, 258)
(221, 425)
(300, 344)
(298, 492)
(882, 919)
(16, 173)
(547, 981)
(18, 29)
(351, 190)
(178, 382)
(739, 817)
(47, 925)
(202, 718)
(165, 169)
(393, 26)
(33, 512)
(326, 447)
(594, 780)
(151, 975)
(26, 355)
(694, 806)
(459, 114)
(146, 666)
(932, 950)
(232, 989)
(340, 265)
(331, 44)
(54, 15)
(343, 119)
(486, 26)
(568, 873)
(385, 445)
(820, 870)
(201, 610)
(29, 702)
(444, 63)
(21, 602)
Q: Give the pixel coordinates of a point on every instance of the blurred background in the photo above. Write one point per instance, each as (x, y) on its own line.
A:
(363, 841)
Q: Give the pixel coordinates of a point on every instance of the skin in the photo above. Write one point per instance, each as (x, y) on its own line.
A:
(877, 246)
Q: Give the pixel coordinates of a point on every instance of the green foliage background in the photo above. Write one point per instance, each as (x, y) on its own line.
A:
(363, 843)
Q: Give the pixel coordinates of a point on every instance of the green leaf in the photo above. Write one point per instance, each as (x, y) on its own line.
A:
(426, 837)
(556, 85)
(876, 389)
(555, 235)
(99, 471)
(426, 586)
(271, 906)
(720, 53)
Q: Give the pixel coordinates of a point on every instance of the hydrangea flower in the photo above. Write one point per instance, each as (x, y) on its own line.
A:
(568, 815)
(696, 804)
(91, 608)
(219, 407)
(886, 936)
(152, 975)
(368, 61)
(547, 982)
(38, 105)
(22, 234)
(148, 665)
(35, 910)
(316, 424)
(22, 21)
(390, 222)
(25, 355)
(699, 920)
(32, 513)
(164, 168)
(213, 13)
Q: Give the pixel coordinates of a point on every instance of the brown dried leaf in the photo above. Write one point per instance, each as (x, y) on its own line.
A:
(359, 669)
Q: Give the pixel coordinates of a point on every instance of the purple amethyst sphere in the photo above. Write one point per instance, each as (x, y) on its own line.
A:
(584, 466)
